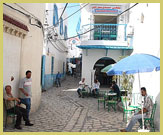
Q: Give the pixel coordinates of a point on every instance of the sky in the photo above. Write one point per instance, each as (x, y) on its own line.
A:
(73, 20)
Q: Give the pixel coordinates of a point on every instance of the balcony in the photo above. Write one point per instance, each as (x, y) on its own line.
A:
(104, 32)
(104, 36)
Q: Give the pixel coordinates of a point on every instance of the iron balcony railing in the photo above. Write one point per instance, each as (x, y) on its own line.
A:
(104, 32)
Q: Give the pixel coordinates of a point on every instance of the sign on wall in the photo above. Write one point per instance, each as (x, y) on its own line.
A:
(106, 9)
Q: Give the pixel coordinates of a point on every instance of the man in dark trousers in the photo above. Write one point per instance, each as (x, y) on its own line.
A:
(25, 91)
(58, 78)
(115, 88)
(10, 102)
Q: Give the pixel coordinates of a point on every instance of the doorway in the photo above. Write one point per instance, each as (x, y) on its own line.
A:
(102, 77)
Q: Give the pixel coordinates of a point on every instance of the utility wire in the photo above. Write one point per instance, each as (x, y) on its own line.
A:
(55, 46)
(16, 10)
(105, 21)
(27, 15)
(70, 15)
(67, 7)
(63, 11)
(26, 11)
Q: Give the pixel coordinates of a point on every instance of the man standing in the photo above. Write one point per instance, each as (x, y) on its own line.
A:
(147, 110)
(25, 91)
(11, 108)
(58, 77)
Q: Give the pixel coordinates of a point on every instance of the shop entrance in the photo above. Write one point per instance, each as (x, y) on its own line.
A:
(104, 80)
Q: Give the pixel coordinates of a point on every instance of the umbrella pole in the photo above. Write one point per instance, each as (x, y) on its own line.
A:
(141, 101)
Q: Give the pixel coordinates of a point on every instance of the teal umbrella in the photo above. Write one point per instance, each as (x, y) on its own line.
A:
(107, 68)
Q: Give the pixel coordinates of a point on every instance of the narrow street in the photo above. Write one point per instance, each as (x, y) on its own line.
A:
(62, 111)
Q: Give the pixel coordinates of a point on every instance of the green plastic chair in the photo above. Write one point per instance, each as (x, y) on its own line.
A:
(84, 93)
(112, 103)
(150, 120)
(126, 109)
(8, 114)
(102, 98)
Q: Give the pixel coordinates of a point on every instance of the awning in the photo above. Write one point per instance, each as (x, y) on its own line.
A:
(105, 47)
(14, 22)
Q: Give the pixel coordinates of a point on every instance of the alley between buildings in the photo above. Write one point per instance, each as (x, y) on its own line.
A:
(62, 111)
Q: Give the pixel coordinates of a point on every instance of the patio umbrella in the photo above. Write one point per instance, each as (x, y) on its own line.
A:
(137, 63)
(105, 69)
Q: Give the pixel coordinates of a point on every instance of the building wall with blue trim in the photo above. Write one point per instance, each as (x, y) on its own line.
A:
(55, 51)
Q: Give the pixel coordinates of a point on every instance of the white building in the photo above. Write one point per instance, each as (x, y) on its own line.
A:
(105, 41)
(22, 46)
(55, 50)
(146, 24)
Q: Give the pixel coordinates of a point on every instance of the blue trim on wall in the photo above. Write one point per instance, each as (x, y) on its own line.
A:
(104, 47)
(50, 80)
(43, 71)
(55, 16)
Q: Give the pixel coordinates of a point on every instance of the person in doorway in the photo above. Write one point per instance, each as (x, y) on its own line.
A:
(147, 110)
(25, 91)
(96, 87)
(13, 107)
(81, 87)
(115, 88)
(58, 78)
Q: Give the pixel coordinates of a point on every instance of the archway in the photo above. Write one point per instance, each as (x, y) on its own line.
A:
(104, 80)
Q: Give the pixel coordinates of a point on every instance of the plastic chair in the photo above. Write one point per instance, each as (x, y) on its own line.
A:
(8, 114)
(150, 120)
(112, 103)
(102, 99)
(126, 109)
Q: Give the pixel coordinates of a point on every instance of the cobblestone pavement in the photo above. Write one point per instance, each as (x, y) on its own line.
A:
(62, 111)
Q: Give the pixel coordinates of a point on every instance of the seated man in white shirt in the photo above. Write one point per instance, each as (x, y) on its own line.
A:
(96, 87)
(81, 87)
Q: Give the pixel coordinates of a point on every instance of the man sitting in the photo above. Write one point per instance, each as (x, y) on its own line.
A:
(19, 111)
(147, 110)
(96, 87)
(115, 88)
(81, 87)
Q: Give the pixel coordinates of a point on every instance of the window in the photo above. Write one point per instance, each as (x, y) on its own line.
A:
(61, 26)
(55, 16)
(63, 67)
(52, 65)
(65, 33)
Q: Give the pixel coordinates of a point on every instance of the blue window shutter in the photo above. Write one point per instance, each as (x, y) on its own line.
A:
(52, 65)
(61, 26)
(55, 16)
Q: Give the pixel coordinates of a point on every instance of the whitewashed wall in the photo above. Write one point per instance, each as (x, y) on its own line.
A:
(88, 61)
(31, 49)
(11, 61)
(147, 40)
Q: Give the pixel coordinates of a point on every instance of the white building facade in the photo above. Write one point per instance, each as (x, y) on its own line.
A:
(105, 41)
(55, 47)
(22, 46)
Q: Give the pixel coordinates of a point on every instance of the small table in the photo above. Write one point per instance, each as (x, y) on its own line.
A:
(109, 95)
